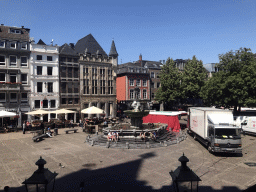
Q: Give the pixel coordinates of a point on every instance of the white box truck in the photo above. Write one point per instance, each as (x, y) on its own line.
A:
(215, 128)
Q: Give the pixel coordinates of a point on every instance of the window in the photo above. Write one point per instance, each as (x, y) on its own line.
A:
(24, 97)
(45, 103)
(70, 87)
(102, 87)
(13, 97)
(13, 45)
(131, 94)
(75, 60)
(138, 82)
(144, 83)
(13, 61)
(63, 101)
(75, 72)
(52, 104)
(69, 59)
(2, 60)
(144, 94)
(49, 70)
(2, 44)
(152, 75)
(13, 77)
(69, 72)
(24, 45)
(49, 58)
(152, 85)
(24, 79)
(15, 31)
(39, 70)
(50, 87)
(39, 57)
(131, 82)
(2, 97)
(94, 86)
(39, 87)
(86, 86)
(158, 85)
(70, 101)
(37, 103)
(76, 101)
(63, 87)
(109, 72)
(63, 59)
(94, 71)
(76, 90)
(2, 77)
(153, 95)
(24, 61)
(63, 71)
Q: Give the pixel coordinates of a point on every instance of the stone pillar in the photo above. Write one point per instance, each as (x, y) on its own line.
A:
(111, 110)
(89, 115)
(75, 118)
(107, 109)
(98, 105)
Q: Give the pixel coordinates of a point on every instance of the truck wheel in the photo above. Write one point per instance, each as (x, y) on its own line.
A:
(209, 148)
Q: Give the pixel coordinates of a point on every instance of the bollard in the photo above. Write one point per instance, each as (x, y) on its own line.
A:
(127, 145)
(165, 143)
(92, 142)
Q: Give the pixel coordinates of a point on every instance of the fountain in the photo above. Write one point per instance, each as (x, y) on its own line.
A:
(136, 114)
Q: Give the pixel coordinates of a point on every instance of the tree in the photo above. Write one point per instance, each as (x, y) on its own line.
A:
(170, 78)
(235, 84)
(193, 79)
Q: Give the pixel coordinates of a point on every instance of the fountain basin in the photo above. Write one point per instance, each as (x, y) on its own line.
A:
(136, 117)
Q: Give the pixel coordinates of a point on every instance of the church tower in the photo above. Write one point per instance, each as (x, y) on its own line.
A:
(113, 53)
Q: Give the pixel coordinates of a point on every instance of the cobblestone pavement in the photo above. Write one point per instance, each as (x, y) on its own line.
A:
(144, 169)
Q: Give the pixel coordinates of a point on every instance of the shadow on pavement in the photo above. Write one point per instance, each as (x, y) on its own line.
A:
(121, 177)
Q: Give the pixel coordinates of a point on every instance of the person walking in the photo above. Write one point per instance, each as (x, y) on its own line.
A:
(24, 127)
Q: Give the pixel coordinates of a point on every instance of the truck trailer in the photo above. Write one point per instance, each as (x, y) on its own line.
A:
(215, 129)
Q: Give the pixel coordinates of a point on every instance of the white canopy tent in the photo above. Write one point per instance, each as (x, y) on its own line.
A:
(6, 114)
(93, 110)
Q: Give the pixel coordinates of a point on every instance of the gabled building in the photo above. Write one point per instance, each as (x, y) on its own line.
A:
(14, 71)
(97, 75)
(44, 72)
(69, 81)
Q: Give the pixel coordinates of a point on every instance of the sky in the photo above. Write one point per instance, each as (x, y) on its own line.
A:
(158, 29)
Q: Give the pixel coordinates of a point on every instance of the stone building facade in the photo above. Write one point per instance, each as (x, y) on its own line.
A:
(14, 71)
(70, 81)
(44, 72)
(97, 75)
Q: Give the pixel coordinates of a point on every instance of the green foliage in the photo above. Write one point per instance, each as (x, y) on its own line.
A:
(170, 83)
(193, 79)
(235, 84)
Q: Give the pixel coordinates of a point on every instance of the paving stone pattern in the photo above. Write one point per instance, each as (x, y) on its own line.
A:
(115, 169)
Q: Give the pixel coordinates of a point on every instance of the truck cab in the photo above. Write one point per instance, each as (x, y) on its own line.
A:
(224, 138)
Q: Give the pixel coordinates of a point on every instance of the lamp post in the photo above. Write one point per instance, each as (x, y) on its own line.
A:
(42, 178)
(184, 179)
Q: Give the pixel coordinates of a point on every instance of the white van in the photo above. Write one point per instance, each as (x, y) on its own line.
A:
(248, 125)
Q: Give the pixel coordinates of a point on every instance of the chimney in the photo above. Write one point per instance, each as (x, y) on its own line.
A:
(140, 58)
(72, 45)
(22, 27)
(2, 24)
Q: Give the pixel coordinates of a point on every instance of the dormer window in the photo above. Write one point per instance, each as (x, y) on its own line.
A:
(2, 44)
(16, 31)
(13, 45)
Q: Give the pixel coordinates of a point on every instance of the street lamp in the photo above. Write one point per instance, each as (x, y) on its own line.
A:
(42, 178)
(184, 179)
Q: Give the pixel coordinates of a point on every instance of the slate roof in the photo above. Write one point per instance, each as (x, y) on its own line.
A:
(88, 42)
(40, 42)
(67, 50)
(113, 51)
(4, 33)
(153, 65)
